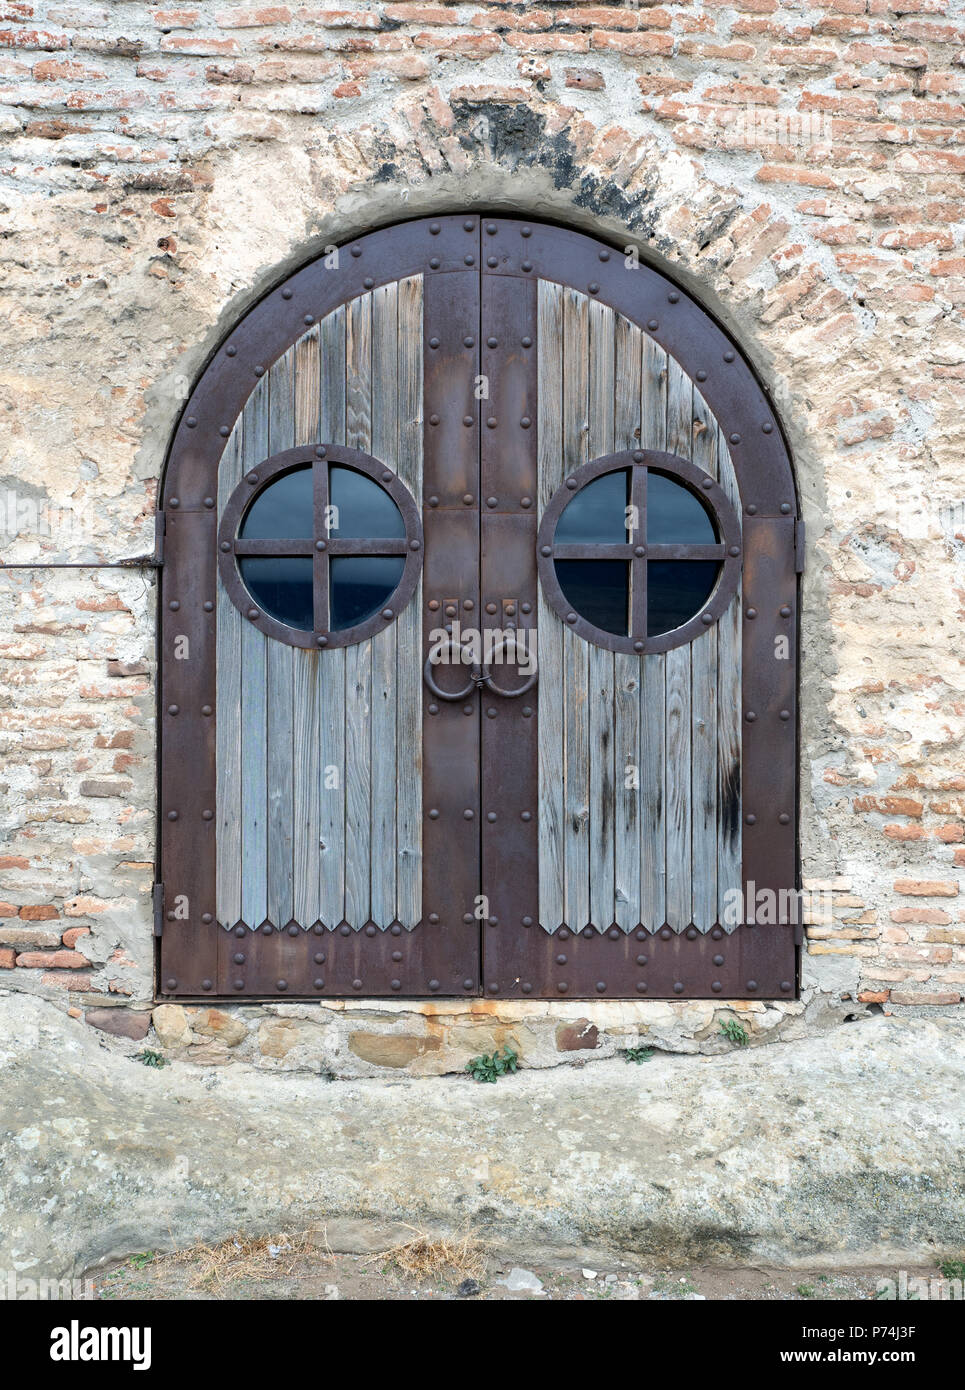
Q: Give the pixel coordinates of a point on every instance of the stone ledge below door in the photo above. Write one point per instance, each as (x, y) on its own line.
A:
(842, 1149)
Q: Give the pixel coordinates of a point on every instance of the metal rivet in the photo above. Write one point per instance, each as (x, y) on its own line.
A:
(208, 606)
(526, 231)
(526, 502)
(434, 263)
(786, 986)
(638, 645)
(752, 509)
(525, 422)
(491, 228)
(750, 716)
(253, 613)
(433, 984)
(282, 984)
(546, 550)
(433, 709)
(666, 933)
(467, 917)
(174, 709)
(321, 545)
(784, 818)
(309, 319)
(752, 984)
(207, 815)
(717, 933)
(678, 987)
(267, 929)
(433, 814)
(751, 612)
(527, 712)
(785, 611)
(467, 420)
(467, 709)
(563, 934)
(396, 929)
(387, 613)
(174, 605)
(469, 341)
(491, 815)
(356, 984)
(433, 419)
(206, 710)
(175, 502)
(205, 984)
(526, 607)
(468, 815)
(491, 714)
(600, 986)
(735, 439)
(728, 356)
(321, 641)
(707, 619)
(785, 714)
(191, 422)
(527, 265)
(571, 483)
(434, 228)
(707, 484)
(593, 287)
(785, 507)
(231, 351)
(492, 422)
(526, 815)
(433, 342)
(469, 260)
(673, 296)
(368, 282)
(701, 375)
(259, 370)
(172, 815)
(751, 819)
(735, 550)
(639, 550)
(571, 617)
(653, 325)
(286, 293)
(492, 261)
(467, 498)
(767, 428)
(526, 342)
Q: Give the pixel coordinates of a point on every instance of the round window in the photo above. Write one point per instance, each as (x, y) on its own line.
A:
(639, 552)
(320, 546)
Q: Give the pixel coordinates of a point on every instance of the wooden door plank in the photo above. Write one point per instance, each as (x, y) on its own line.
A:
(330, 674)
(626, 668)
(729, 704)
(408, 831)
(385, 772)
(280, 673)
(653, 695)
(230, 625)
(704, 715)
(550, 630)
(254, 735)
(601, 696)
(678, 788)
(307, 824)
(358, 657)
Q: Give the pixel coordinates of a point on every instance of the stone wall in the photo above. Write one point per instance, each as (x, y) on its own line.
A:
(797, 166)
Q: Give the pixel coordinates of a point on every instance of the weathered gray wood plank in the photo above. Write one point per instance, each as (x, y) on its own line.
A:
(653, 714)
(358, 657)
(729, 649)
(678, 788)
(408, 908)
(228, 716)
(254, 733)
(331, 663)
(704, 680)
(550, 629)
(600, 412)
(358, 782)
(385, 771)
(626, 669)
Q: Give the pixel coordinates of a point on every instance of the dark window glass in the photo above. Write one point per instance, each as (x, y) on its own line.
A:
(281, 586)
(283, 510)
(363, 508)
(598, 512)
(674, 514)
(598, 590)
(359, 585)
(676, 591)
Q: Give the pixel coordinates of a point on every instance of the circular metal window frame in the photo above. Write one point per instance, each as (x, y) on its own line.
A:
(727, 550)
(320, 546)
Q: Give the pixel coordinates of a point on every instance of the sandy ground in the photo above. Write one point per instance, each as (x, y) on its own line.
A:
(266, 1270)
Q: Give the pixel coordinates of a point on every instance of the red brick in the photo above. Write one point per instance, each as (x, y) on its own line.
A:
(637, 45)
(41, 912)
(262, 18)
(933, 916)
(52, 960)
(870, 996)
(588, 79)
(73, 934)
(910, 997)
(926, 887)
(66, 979)
(8, 958)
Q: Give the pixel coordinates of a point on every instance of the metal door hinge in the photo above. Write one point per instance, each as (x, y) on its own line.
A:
(799, 544)
(157, 896)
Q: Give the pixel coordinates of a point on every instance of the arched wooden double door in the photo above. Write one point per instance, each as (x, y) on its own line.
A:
(479, 637)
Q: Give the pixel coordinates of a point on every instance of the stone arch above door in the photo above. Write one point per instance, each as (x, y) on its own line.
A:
(632, 335)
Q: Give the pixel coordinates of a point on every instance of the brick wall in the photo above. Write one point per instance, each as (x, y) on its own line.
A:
(798, 165)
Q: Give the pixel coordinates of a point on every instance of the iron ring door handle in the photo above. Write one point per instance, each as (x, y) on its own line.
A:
(497, 689)
(476, 678)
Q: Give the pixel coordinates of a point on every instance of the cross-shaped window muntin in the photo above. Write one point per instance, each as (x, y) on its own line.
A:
(321, 545)
(638, 553)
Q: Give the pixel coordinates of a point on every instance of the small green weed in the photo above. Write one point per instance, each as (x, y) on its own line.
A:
(151, 1059)
(491, 1066)
(806, 1290)
(953, 1269)
(637, 1054)
(734, 1032)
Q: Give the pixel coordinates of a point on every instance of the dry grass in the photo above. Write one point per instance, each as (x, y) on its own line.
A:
(427, 1256)
(240, 1257)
